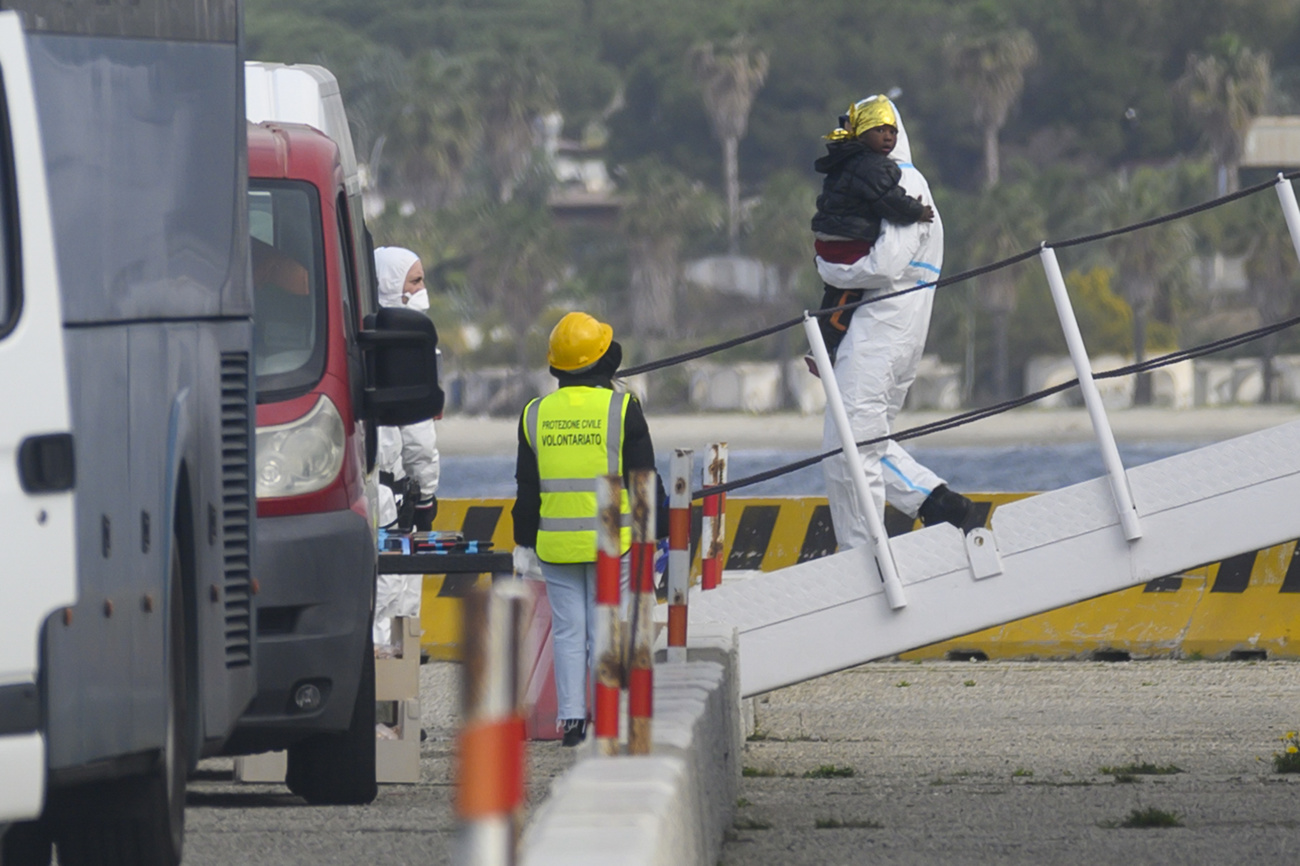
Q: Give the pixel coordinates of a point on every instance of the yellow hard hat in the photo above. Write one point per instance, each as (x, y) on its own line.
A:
(578, 341)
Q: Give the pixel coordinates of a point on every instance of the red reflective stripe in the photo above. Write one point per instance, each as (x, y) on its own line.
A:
(606, 711)
(607, 575)
(677, 625)
(679, 528)
(643, 566)
(490, 772)
(640, 693)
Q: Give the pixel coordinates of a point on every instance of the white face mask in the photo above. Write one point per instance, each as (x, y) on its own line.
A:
(418, 300)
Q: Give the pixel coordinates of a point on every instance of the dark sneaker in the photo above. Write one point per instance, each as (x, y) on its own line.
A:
(945, 506)
(575, 731)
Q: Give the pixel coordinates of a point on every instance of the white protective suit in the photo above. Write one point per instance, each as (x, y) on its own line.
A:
(877, 361)
(411, 450)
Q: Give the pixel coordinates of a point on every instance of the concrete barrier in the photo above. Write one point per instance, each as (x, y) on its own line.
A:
(669, 807)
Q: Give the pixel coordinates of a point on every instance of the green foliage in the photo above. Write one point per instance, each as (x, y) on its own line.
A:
(850, 824)
(755, 772)
(1288, 760)
(1146, 768)
(830, 771)
(1151, 817)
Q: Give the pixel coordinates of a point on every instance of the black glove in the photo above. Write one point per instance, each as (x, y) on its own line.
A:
(425, 511)
(407, 504)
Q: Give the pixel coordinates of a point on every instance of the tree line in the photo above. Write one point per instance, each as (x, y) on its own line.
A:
(1032, 119)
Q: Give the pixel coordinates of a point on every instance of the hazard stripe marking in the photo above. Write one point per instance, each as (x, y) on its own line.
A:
(753, 534)
(480, 522)
(1234, 573)
(1291, 583)
(820, 539)
(1170, 583)
(896, 522)
(457, 585)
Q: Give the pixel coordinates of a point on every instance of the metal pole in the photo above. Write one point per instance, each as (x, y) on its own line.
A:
(679, 552)
(609, 637)
(1128, 517)
(884, 556)
(713, 529)
(640, 674)
(491, 748)
(1290, 210)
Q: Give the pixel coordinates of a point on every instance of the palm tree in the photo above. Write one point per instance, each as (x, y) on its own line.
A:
(663, 207)
(1007, 220)
(991, 67)
(434, 134)
(516, 90)
(1223, 91)
(730, 79)
(1150, 262)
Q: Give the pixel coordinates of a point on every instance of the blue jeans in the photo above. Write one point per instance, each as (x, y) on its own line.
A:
(571, 590)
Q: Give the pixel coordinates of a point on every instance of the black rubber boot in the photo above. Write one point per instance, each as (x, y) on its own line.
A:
(575, 731)
(943, 505)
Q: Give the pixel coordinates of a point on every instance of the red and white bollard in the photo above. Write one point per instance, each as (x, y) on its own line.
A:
(640, 674)
(713, 528)
(609, 637)
(679, 552)
(490, 749)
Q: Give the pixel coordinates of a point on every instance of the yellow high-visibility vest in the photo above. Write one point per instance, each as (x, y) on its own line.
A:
(577, 435)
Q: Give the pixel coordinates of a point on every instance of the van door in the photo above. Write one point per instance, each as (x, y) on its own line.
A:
(37, 565)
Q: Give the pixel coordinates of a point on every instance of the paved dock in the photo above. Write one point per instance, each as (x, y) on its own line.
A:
(1023, 763)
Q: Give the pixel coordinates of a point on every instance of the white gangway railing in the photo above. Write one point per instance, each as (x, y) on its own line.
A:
(1040, 553)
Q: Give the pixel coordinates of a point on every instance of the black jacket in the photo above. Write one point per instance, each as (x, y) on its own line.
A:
(638, 453)
(861, 189)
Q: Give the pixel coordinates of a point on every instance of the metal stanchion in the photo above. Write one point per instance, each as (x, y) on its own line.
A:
(490, 749)
(1128, 517)
(884, 555)
(609, 638)
(679, 552)
(640, 669)
(713, 531)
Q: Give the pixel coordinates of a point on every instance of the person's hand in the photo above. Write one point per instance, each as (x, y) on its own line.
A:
(927, 214)
(526, 563)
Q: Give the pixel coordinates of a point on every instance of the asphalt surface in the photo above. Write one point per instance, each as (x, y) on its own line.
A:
(1006, 763)
(229, 824)
(968, 763)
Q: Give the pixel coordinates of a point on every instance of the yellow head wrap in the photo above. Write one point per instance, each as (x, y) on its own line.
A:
(867, 114)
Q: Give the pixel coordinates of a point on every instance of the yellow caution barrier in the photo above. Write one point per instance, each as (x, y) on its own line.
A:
(1246, 607)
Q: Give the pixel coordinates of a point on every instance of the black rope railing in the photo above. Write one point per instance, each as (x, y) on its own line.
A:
(1007, 405)
(969, 274)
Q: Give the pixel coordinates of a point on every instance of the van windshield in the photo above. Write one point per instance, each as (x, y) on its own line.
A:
(288, 288)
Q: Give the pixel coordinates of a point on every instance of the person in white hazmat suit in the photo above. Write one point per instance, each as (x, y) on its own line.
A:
(407, 456)
(876, 362)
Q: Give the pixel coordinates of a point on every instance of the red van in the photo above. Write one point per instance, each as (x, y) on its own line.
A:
(329, 366)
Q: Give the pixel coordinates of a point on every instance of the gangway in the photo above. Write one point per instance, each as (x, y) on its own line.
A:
(1040, 553)
(1052, 550)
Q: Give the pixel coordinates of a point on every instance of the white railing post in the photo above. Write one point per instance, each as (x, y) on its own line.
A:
(1128, 517)
(640, 664)
(884, 556)
(609, 634)
(491, 760)
(679, 551)
(1290, 210)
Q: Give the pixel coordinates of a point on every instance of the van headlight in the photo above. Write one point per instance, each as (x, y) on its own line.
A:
(302, 456)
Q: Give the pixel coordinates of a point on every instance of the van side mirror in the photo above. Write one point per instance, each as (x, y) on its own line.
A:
(401, 367)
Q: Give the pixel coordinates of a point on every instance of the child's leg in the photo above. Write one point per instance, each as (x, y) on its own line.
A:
(836, 325)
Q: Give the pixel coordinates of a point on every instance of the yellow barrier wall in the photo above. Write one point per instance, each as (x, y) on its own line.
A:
(1244, 607)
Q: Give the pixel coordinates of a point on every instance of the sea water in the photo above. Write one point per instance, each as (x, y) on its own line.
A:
(969, 469)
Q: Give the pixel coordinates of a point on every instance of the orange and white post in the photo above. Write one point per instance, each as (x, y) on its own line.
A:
(491, 751)
(679, 551)
(609, 636)
(713, 527)
(640, 674)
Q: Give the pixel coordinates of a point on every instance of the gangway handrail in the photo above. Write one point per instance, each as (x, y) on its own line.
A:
(971, 273)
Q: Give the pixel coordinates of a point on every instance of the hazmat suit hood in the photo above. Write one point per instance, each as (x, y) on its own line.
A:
(391, 267)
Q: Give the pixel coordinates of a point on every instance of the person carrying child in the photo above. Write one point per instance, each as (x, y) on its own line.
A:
(875, 240)
(861, 189)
